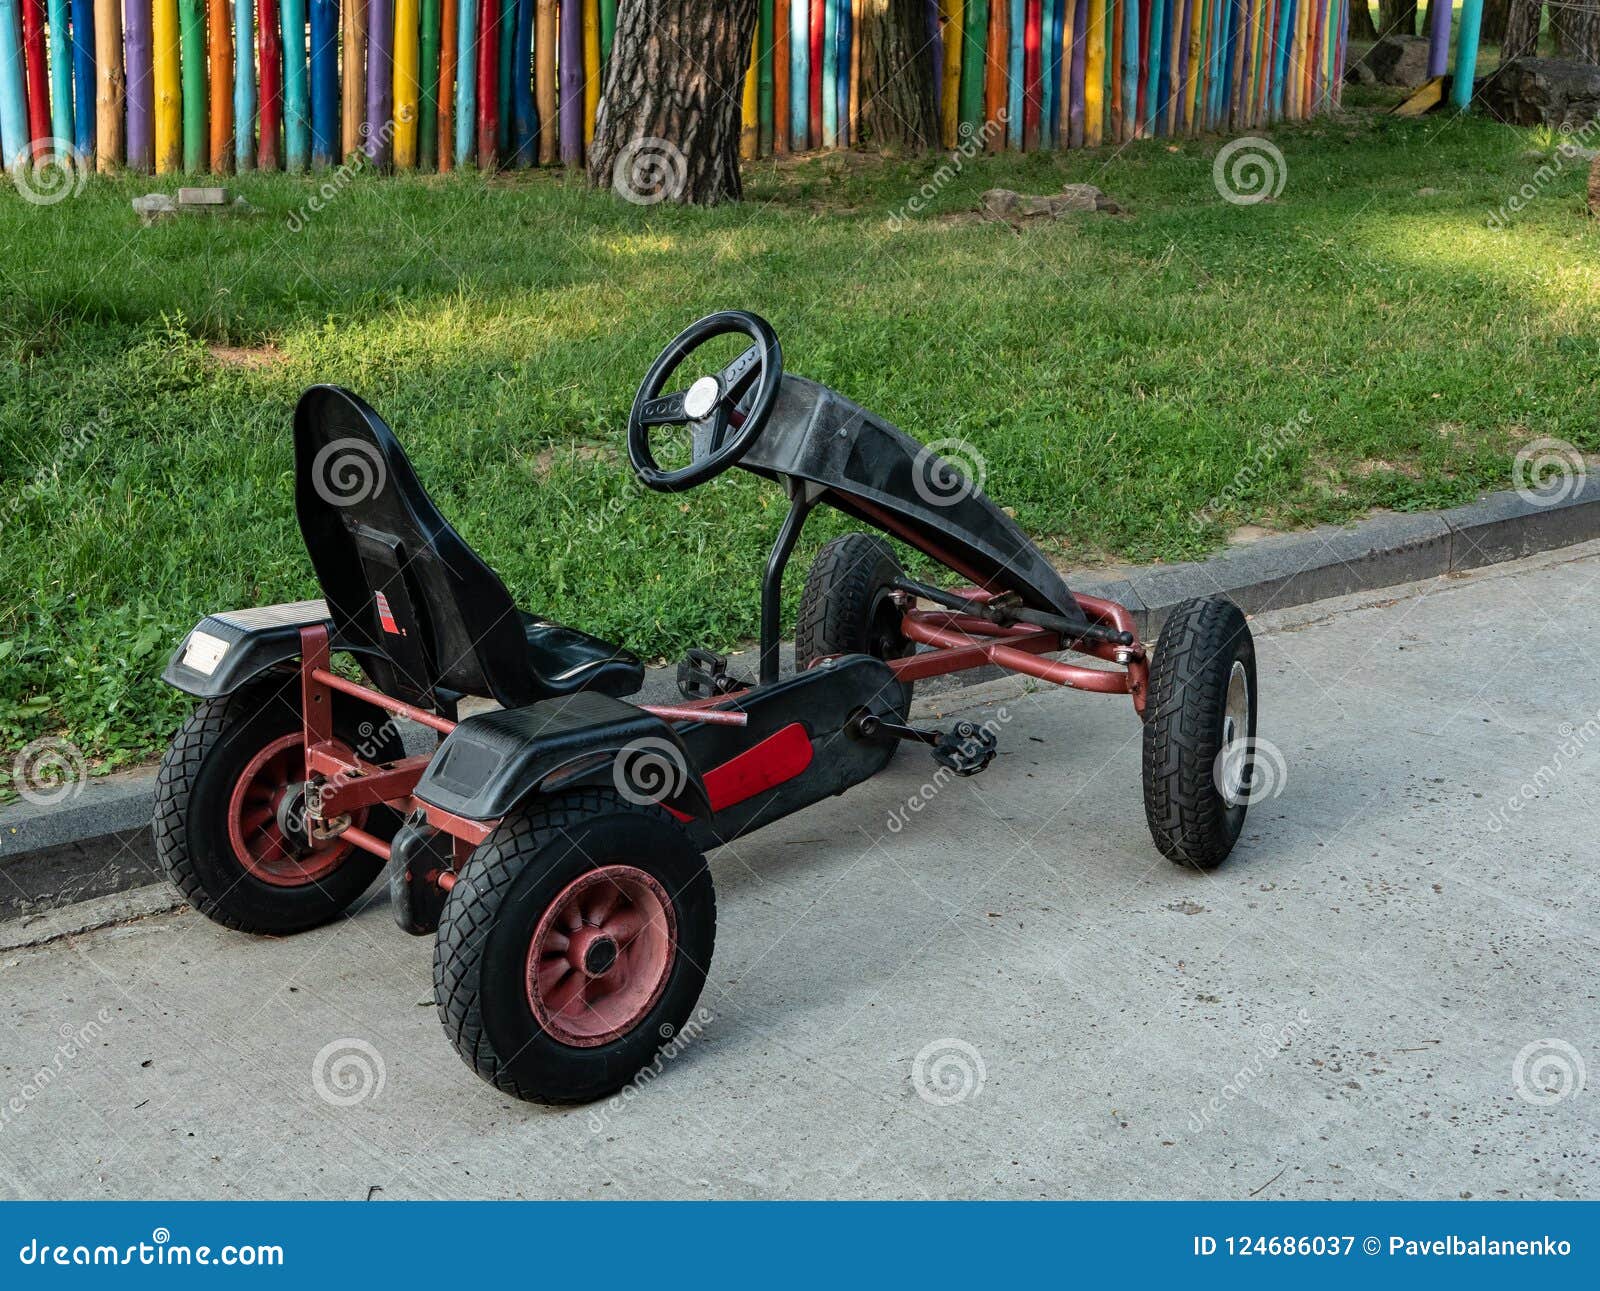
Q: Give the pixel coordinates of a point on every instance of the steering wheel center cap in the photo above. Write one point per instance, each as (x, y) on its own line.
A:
(701, 398)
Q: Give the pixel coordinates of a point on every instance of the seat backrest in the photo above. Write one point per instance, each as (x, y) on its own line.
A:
(396, 576)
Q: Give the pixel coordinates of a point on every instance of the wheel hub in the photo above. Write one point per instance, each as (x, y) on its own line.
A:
(291, 817)
(592, 952)
(1235, 754)
(600, 956)
(267, 823)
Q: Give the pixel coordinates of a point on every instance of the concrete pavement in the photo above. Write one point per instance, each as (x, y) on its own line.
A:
(1386, 992)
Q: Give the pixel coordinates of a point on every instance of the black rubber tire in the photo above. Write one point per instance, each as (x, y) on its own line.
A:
(197, 775)
(844, 608)
(480, 954)
(1191, 821)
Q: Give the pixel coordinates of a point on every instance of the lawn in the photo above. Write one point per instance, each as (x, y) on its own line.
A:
(1114, 375)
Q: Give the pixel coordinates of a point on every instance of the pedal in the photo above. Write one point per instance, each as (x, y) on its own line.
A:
(703, 674)
(965, 749)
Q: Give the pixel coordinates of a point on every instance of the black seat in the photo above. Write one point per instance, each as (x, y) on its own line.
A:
(566, 660)
(402, 585)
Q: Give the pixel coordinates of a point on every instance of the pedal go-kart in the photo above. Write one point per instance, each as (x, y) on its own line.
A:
(556, 845)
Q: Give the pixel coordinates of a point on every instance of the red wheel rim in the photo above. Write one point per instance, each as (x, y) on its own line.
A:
(258, 841)
(600, 957)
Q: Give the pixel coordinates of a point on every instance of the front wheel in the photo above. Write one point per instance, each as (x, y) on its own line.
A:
(573, 945)
(1199, 732)
(849, 606)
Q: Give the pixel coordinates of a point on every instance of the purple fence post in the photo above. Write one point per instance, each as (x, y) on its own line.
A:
(380, 82)
(1439, 37)
(1080, 35)
(572, 77)
(141, 90)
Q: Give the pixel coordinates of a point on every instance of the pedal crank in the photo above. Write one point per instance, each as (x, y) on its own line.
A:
(965, 748)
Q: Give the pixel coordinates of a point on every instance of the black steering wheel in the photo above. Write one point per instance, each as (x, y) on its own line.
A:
(725, 411)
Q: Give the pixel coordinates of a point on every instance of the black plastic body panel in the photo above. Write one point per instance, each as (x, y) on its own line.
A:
(492, 761)
(252, 641)
(415, 902)
(876, 473)
(822, 699)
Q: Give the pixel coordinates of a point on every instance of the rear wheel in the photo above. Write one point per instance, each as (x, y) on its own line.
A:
(573, 945)
(849, 606)
(229, 821)
(1199, 732)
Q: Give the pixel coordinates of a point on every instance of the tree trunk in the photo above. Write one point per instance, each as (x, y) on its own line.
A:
(668, 123)
(1522, 30)
(1576, 28)
(897, 107)
(1361, 27)
(1495, 14)
(1397, 17)
(1594, 188)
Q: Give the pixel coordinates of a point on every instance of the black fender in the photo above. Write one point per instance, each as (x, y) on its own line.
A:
(226, 650)
(492, 762)
(232, 648)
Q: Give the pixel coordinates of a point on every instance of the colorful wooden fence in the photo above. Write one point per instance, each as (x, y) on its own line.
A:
(218, 85)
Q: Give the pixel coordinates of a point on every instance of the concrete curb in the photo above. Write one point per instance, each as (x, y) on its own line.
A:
(1272, 573)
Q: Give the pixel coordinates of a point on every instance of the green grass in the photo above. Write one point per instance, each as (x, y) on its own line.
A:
(1113, 374)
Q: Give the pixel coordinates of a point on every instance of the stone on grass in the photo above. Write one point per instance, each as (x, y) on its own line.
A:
(1006, 204)
(189, 201)
(1542, 91)
(1396, 60)
(154, 206)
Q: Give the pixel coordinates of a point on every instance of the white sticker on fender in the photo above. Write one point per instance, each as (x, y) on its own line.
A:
(204, 652)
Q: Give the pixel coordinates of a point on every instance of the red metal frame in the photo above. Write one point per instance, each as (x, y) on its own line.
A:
(351, 783)
(959, 642)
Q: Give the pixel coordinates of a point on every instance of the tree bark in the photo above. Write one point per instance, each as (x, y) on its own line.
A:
(1495, 15)
(1594, 188)
(1576, 28)
(897, 107)
(1361, 27)
(1522, 30)
(668, 124)
(1397, 17)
